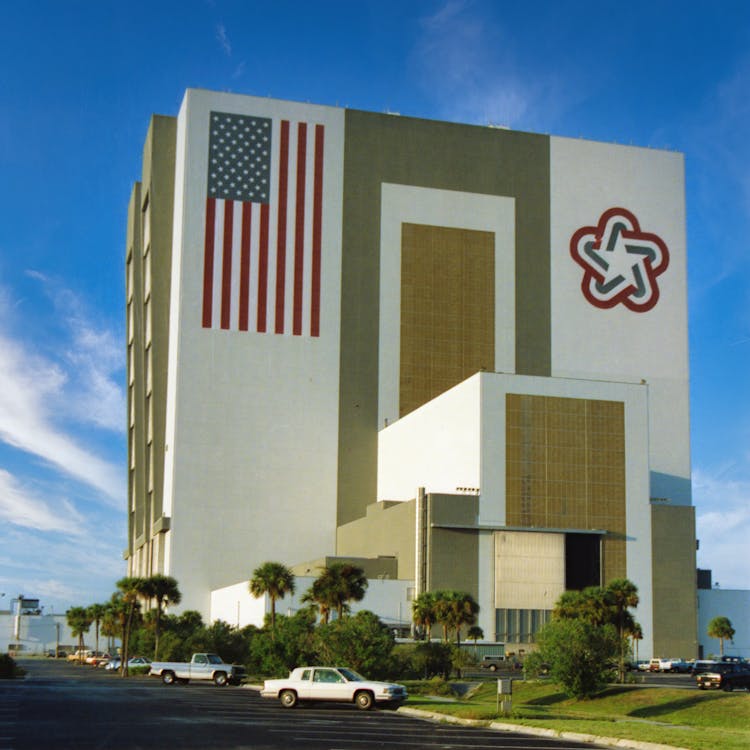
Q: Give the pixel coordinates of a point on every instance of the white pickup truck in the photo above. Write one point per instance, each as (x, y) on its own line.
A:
(200, 667)
(333, 684)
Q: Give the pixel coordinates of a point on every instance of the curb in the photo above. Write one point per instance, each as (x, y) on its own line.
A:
(537, 731)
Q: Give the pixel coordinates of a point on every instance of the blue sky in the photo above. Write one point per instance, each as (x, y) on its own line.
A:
(79, 81)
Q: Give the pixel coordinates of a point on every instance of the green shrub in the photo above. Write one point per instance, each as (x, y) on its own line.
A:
(8, 667)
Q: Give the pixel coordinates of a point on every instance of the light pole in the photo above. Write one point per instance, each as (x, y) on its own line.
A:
(17, 624)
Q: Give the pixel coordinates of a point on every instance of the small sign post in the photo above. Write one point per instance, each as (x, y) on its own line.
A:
(504, 696)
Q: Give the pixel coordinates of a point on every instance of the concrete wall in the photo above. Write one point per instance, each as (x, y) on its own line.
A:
(675, 605)
(252, 417)
(588, 179)
(234, 604)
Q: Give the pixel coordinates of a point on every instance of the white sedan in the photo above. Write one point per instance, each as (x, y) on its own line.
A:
(333, 684)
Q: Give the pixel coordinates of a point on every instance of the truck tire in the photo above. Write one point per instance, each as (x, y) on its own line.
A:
(168, 678)
(363, 700)
(493, 667)
(288, 698)
(220, 679)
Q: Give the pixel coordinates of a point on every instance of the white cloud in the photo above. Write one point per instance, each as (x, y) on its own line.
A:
(468, 65)
(223, 39)
(36, 390)
(62, 573)
(20, 506)
(723, 525)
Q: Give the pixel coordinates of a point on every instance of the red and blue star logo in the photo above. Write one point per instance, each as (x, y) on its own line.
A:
(621, 263)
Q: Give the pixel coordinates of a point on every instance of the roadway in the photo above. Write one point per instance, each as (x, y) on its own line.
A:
(64, 706)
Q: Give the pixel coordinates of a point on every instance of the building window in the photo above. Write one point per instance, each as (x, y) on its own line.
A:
(520, 625)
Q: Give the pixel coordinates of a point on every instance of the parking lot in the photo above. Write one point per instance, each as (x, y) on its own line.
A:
(61, 705)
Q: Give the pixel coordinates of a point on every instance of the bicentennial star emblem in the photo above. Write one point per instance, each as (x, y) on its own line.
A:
(620, 262)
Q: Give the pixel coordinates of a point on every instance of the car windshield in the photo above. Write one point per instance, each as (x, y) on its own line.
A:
(351, 675)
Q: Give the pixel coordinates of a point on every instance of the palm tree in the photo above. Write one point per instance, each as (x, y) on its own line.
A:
(423, 612)
(455, 609)
(335, 587)
(320, 598)
(474, 633)
(352, 584)
(164, 590)
(96, 613)
(274, 579)
(636, 634)
(131, 589)
(621, 594)
(721, 628)
(79, 623)
(110, 626)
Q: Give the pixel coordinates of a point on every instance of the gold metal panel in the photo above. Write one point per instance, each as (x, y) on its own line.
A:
(447, 310)
(566, 468)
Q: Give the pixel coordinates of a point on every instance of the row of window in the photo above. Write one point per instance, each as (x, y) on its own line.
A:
(520, 625)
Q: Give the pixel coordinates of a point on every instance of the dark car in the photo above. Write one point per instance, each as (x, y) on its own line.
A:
(725, 675)
(493, 662)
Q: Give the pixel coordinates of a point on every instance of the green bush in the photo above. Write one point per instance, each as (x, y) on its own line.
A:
(422, 661)
(361, 642)
(8, 668)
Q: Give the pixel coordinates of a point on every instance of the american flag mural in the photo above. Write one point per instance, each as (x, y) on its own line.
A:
(262, 244)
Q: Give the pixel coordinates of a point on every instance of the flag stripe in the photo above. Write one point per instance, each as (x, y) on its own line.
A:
(245, 266)
(317, 233)
(208, 262)
(263, 226)
(299, 228)
(263, 268)
(281, 225)
(226, 276)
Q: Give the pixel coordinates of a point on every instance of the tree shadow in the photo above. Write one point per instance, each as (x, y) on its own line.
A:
(681, 704)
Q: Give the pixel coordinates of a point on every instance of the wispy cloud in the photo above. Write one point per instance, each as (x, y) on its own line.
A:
(71, 379)
(223, 39)
(722, 500)
(62, 572)
(20, 506)
(716, 140)
(467, 65)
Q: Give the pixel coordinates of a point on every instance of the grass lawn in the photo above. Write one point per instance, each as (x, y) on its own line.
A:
(683, 718)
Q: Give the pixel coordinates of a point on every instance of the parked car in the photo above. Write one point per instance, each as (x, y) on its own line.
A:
(200, 667)
(680, 665)
(95, 658)
(333, 684)
(702, 665)
(493, 662)
(136, 661)
(725, 675)
(660, 665)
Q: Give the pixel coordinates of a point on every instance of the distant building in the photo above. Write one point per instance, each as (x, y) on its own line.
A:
(733, 604)
(460, 349)
(26, 629)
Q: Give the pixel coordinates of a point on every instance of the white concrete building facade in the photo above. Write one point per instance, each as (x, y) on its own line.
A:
(330, 308)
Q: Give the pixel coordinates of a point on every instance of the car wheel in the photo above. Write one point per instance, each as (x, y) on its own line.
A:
(727, 687)
(167, 678)
(363, 699)
(493, 667)
(220, 679)
(288, 698)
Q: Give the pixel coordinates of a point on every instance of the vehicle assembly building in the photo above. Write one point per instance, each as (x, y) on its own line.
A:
(457, 352)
